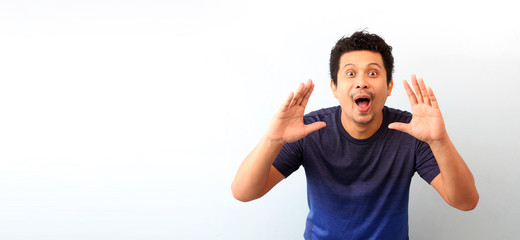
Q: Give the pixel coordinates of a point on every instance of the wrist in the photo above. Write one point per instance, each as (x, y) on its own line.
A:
(273, 141)
(440, 142)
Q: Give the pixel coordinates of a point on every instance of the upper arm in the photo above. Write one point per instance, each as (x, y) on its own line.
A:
(438, 184)
(465, 203)
(273, 178)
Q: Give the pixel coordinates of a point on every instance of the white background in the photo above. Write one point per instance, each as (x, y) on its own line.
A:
(128, 119)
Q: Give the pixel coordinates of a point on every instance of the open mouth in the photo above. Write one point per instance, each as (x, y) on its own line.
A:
(363, 102)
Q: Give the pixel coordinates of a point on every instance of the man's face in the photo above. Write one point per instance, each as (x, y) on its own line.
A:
(361, 87)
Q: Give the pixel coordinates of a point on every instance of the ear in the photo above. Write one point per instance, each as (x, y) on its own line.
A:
(333, 88)
(390, 86)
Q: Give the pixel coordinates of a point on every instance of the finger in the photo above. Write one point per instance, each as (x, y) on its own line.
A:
(308, 95)
(287, 102)
(417, 89)
(403, 127)
(314, 127)
(411, 96)
(433, 99)
(305, 92)
(424, 92)
(297, 95)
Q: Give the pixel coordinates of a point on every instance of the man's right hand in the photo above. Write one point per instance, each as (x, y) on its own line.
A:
(256, 175)
(287, 125)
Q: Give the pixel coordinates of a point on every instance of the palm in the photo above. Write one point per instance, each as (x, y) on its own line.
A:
(287, 125)
(427, 123)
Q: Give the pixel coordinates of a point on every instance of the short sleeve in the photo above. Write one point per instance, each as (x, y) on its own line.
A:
(290, 158)
(425, 162)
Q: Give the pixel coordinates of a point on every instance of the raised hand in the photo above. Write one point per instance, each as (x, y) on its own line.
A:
(427, 123)
(287, 125)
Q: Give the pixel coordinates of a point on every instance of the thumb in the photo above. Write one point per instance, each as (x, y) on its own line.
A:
(314, 127)
(403, 127)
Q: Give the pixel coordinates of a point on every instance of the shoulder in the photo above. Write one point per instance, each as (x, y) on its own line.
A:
(397, 115)
(324, 114)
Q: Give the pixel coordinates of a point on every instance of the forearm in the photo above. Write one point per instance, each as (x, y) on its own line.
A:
(458, 182)
(253, 173)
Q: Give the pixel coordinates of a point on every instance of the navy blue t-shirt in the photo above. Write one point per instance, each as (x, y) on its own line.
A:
(357, 189)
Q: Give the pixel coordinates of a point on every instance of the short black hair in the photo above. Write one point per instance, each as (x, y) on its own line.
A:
(361, 40)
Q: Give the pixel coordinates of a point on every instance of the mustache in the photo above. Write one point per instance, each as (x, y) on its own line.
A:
(355, 93)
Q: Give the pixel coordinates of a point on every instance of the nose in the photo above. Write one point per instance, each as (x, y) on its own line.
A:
(361, 83)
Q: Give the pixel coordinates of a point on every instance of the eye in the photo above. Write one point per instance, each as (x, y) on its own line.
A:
(350, 74)
(372, 73)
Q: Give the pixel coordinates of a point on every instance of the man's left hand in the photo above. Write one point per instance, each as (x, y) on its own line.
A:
(427, 123)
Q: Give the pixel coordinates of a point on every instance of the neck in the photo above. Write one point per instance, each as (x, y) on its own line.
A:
(362, 130)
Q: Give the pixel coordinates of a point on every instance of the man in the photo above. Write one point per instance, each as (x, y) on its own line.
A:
(359, 157)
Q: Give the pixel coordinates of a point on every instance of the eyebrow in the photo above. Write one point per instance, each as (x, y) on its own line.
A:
(370, 64)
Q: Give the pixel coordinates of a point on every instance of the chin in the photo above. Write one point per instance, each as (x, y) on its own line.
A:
(364, 119)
